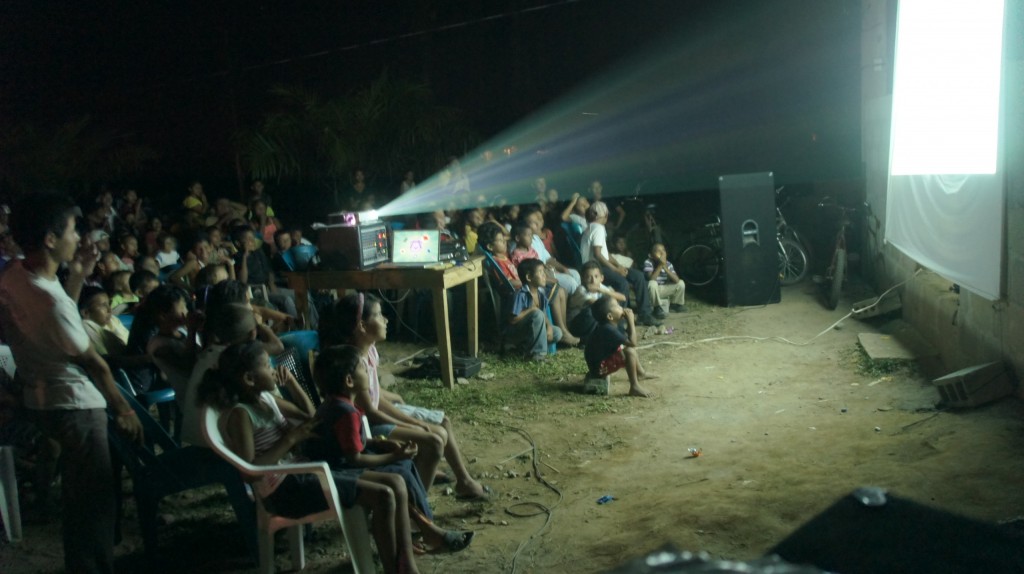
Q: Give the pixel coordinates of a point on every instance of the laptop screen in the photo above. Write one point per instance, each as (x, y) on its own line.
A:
(415, 246)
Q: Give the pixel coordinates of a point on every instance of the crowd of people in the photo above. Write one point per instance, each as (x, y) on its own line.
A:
(193, 301)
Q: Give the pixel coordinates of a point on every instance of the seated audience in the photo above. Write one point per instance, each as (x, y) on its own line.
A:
(106, 332)
(528, 324)
(356, 320)
(668, 292)
(594, 247)
(593, 288)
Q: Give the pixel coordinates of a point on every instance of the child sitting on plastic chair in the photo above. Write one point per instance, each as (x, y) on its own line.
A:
(341, 442)
(493, 240)
(257, 427)
(356, 320)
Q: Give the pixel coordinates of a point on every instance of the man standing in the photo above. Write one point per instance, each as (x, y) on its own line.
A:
(65, 381)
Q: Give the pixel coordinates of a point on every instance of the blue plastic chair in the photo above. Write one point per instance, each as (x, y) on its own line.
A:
(498, 288)
(302, 257)
(165, 272)
(174, 469)
(573, 238)
(126, 319)
(164, 399)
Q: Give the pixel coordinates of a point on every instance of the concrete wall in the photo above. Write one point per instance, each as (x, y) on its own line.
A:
(965, 328)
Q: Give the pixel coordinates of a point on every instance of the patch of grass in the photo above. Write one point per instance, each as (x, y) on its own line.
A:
(882, 367)
(520, 389)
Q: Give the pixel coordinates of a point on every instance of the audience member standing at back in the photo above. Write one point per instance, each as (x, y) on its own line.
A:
(66, 382)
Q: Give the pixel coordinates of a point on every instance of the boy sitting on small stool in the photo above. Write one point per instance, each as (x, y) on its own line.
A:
(609, 349)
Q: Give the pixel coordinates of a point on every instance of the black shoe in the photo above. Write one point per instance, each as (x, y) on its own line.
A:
(678, 308)
(648, 321)
(660, 314)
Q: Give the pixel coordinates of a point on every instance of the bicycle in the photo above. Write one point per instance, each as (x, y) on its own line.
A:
(836, 272)
(699, 263)
(794, 257)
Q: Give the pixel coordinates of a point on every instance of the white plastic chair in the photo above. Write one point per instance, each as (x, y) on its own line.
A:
(353, 522)
(7, 360)
(10, 513)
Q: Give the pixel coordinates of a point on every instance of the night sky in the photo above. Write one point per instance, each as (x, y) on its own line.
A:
(181, 76)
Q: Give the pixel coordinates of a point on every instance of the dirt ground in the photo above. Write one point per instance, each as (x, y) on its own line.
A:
(785, 431)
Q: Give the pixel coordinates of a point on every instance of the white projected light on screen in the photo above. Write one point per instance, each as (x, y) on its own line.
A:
(946, 87)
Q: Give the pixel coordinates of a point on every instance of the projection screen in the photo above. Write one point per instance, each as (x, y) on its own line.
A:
(946, 179)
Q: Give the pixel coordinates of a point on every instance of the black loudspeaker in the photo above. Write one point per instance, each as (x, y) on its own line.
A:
(749, 245)
(901, 536)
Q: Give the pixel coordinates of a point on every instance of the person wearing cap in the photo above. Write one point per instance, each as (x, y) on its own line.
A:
(101, 239)
(67, 384)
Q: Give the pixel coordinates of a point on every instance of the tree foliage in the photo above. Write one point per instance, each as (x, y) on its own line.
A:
(386, 128)
(70, 157)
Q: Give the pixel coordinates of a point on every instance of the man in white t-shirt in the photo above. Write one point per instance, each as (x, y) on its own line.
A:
(65, 381)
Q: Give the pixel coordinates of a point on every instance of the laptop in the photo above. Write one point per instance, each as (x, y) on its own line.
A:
(415, 247)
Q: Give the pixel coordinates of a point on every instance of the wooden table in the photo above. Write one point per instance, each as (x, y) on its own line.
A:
(383, 277)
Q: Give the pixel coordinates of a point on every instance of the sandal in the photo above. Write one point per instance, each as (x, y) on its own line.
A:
(456, 541)
(484, 497)
(441, 477)
(453, 541)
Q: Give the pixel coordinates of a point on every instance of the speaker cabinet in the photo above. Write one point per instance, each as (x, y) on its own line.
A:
(901, 536)
(749, 245)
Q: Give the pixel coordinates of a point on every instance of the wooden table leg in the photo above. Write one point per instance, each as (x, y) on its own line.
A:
(298, 284)
(444, 339)
(472, 302)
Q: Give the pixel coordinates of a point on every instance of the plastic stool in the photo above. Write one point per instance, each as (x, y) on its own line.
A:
(10, 512)
(597, 386)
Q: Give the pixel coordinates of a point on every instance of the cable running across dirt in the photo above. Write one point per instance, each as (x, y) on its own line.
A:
(538, 508)
(783, 339)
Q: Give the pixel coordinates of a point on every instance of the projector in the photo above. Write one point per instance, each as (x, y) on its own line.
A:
(353, 218)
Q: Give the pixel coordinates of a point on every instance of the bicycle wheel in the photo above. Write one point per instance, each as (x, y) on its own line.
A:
(790, 233)
(838, 274)
(793, 262)
(697, 265)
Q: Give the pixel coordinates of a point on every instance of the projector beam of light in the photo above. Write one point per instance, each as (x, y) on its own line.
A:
(672, 119)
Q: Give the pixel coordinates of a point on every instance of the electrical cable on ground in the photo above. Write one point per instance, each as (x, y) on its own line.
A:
(783, 339)
(537, 507)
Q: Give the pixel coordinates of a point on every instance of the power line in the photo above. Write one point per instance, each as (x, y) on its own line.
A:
(379, 41)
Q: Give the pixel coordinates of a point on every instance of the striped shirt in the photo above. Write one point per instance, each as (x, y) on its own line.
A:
(268, 427)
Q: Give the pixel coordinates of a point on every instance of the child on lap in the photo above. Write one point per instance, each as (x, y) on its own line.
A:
(609, 349)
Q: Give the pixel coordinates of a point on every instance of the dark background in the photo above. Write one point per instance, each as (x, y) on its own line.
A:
(751, 86)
